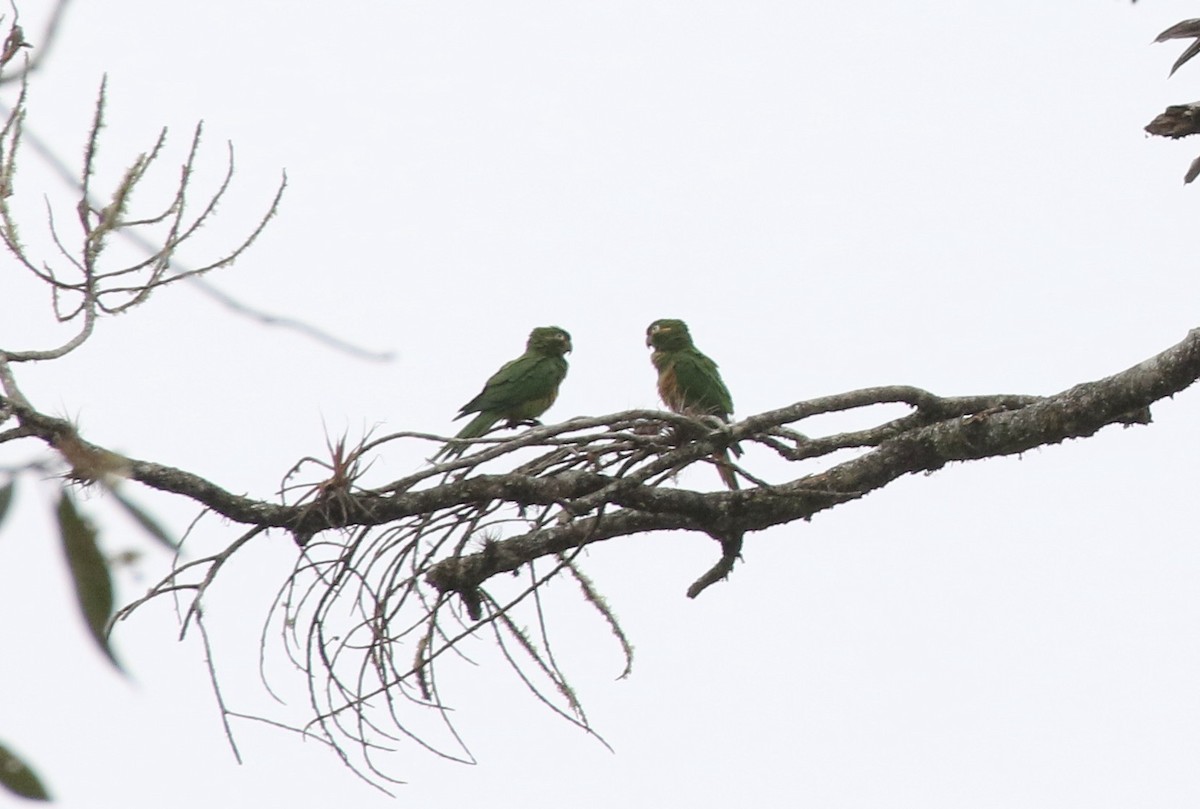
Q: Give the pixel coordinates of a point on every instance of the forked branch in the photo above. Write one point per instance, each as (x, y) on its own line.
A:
(392, 581)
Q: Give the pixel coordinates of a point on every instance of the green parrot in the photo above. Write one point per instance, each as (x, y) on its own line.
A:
(521, 390)
(689, 382)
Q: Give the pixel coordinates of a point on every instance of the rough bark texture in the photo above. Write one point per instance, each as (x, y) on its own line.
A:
(597, 506)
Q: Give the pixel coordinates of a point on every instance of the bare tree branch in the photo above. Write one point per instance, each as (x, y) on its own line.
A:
(152, 248)
(15, 41)
(88, 287)
(396, 566)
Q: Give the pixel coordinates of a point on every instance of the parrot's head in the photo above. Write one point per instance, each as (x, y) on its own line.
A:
(668, 334)
(549, 340)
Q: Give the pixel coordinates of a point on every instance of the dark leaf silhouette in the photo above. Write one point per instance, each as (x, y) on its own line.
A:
(145, 520)
(17, 778)
(1183, 30)
(89, 572)
(6, 497)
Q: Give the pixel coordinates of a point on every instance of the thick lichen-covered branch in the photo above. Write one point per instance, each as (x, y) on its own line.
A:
(937, 432)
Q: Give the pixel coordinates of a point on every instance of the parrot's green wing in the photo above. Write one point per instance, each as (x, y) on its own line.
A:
(522, 389)
(698, 384)
(689, 383)
(699, 390)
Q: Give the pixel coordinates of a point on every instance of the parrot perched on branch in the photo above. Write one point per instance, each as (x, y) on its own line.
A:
(520, 391)
(689, 382)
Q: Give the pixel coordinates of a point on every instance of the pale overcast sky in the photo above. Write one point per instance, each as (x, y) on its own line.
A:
(953, 195)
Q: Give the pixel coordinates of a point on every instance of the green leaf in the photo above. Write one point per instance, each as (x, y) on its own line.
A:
(16, 777)
(145, 520)
(6, 496)
(89, 570)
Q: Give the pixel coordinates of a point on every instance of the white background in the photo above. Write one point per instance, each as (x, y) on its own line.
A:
(953, 195)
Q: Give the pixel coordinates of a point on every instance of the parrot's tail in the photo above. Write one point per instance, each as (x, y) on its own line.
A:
(726, 470)
(475, 428)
